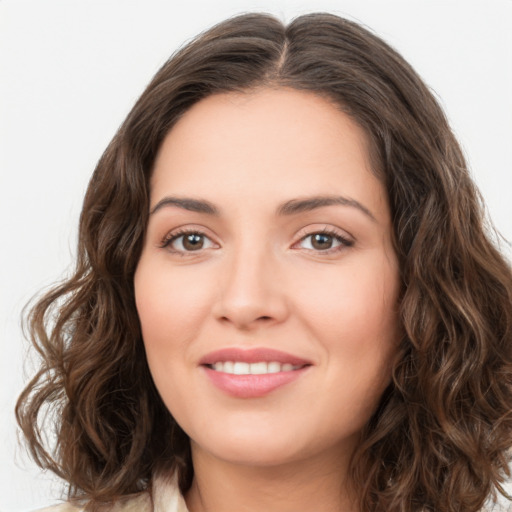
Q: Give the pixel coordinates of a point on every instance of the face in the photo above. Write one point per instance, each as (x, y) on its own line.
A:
(267, 286)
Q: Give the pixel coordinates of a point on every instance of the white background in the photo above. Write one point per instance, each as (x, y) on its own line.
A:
(71, 70)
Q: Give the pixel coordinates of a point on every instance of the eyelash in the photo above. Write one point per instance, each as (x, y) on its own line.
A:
(172, 237)
(344, 242)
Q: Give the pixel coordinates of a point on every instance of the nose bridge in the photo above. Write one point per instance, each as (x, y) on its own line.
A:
(249, 293)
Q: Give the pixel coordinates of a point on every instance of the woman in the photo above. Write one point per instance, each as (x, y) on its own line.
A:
(285, 297)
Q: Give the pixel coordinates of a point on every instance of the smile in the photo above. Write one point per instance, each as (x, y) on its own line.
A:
(254, 372)
(259, 368)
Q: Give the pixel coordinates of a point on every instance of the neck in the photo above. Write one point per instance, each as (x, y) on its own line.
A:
(318, 484)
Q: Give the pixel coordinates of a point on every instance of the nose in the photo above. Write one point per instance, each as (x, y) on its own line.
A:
(251, 294)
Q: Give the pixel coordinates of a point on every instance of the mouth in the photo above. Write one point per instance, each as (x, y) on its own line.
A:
(252, 373)
(259, 368)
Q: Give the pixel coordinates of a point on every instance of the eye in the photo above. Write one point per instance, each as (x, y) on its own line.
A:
(187, 241)
(324, 241)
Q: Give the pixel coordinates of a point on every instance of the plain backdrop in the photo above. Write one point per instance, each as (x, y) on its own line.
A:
(71, 70)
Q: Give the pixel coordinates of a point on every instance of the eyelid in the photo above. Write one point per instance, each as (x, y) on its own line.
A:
(345, 240)
(178, 232)
(342, 236)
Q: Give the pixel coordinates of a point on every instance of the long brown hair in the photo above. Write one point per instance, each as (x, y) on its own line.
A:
(440, 437)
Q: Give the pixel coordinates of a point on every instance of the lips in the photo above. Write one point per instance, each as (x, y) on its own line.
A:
(253, 355)
(252, 373)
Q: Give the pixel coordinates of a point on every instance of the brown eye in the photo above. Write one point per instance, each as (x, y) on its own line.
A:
(193, 242)
(321, 241)
(188, 242)
(324, 242)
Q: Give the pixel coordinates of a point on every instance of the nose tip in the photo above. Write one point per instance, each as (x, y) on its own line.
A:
(246, 317)
(249, 297)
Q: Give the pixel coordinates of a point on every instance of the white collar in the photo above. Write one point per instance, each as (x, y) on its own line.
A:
(166, 494)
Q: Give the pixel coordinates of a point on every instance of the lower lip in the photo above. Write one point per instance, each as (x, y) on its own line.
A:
(252, 386)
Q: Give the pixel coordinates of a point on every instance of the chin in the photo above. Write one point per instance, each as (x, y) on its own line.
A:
(272, 446)
(254, 444)
(253, 453)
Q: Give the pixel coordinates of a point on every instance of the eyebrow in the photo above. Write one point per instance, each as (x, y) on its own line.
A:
(291, 207)
(295, 206)
(186, 203)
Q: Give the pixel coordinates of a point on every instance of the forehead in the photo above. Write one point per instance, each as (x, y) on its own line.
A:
(266, 145)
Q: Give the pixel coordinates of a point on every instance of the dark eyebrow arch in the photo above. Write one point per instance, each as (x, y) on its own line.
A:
(192, 205)
(292, 207)
(295, 206)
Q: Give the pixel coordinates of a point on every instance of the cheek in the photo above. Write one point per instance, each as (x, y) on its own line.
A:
(353, 300)
(170, 305)
(166, 297)
(352, 312)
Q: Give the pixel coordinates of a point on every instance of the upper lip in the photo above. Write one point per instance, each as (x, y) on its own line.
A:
(252, 355)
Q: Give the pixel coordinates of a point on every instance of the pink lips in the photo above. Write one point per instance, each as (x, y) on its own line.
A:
(252, 386)
(252, 355)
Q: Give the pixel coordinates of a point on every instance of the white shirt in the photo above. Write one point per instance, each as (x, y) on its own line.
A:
(166, 498)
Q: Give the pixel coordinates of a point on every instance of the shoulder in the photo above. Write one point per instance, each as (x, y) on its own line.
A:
(141, 503)
(63, 507)
(165, 497)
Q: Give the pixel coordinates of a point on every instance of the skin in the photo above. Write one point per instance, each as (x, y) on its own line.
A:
(260, 281)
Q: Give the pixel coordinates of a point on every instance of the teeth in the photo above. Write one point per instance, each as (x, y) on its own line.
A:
(258, 368)
(261, 368)
(241, 368)
(274, 367)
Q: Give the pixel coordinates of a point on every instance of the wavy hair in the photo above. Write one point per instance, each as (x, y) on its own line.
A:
(440, 437)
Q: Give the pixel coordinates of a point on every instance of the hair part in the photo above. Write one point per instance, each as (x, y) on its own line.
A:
(439, 440)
